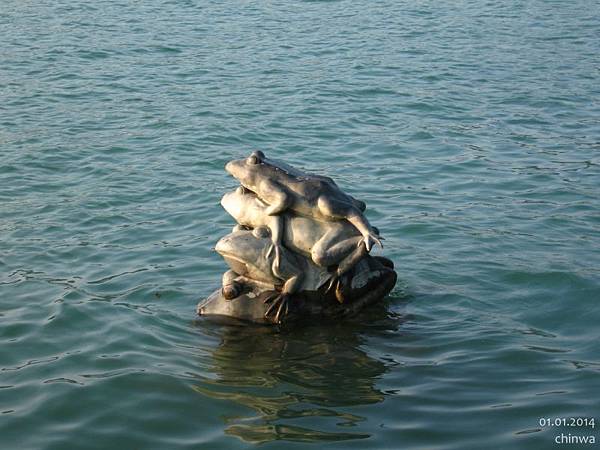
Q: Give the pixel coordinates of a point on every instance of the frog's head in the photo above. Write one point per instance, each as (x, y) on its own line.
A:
(243, 206)
(242, 249)
(245, 170)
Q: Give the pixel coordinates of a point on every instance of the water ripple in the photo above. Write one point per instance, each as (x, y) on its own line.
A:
(470, 129)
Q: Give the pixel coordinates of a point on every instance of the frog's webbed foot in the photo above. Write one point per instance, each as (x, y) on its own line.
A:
(333, 281)
(279, 306)
(372, 239)
(335, 285)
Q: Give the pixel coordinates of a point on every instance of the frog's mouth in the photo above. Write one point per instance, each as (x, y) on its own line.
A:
(236, 264)
(247, 269)
(244, 190)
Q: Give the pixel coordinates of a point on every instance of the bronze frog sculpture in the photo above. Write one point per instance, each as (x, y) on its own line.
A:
(297, 236)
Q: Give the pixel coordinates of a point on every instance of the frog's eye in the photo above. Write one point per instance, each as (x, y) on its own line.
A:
(256, 157)
(241, 190)
(261, 232)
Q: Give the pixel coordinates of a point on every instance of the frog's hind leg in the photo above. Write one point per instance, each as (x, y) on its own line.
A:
(362, 206)
(344, 266)
(330, 250)
(338, 210)
(351, 259)
(345, 254)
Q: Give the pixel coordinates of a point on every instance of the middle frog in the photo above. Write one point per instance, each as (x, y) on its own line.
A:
(327, 244)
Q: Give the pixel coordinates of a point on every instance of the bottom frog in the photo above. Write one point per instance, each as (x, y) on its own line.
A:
(258, 290)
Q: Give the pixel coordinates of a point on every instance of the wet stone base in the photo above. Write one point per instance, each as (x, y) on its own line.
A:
(366, 283)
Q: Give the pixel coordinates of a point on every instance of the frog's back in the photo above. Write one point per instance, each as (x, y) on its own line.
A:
(308, 190)
(305, 186)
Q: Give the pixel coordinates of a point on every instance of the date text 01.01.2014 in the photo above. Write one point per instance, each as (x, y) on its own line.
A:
(583, 422)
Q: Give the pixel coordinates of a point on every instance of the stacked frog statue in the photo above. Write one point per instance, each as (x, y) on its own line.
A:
(300, 247)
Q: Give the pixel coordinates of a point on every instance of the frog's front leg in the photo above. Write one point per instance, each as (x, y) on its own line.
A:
(277, 196)
(275, 225)
(231, 288)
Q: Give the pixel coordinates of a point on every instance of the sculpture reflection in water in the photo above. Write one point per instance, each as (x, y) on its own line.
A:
(302, 385)
(300, 248)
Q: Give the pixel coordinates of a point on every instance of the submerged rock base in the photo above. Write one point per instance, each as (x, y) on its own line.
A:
(368, 282)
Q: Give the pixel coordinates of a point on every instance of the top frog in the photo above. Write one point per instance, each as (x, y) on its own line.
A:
(283, 187)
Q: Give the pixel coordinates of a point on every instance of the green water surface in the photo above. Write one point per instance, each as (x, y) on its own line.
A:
(470, 128)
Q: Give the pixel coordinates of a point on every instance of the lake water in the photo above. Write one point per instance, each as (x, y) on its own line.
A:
(470, 128)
